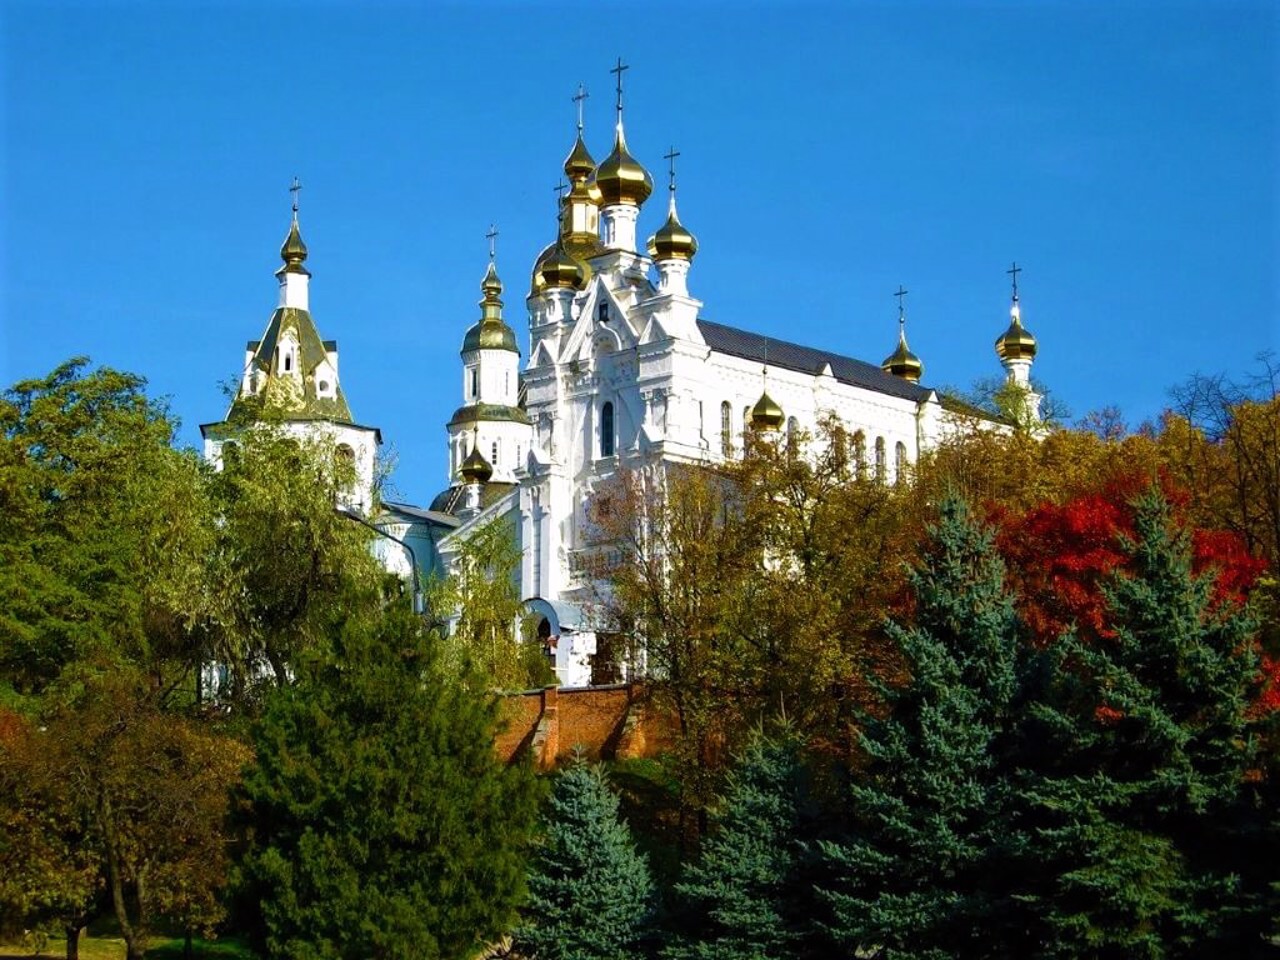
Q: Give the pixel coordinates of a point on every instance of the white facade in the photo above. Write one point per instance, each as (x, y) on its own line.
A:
(621, 373)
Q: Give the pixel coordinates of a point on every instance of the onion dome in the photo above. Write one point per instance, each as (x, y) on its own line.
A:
(620, 177)
(579, 164)
(902, 362)
(559, 270)
(673, 241)
(492, 332)
(1016, 343)
(766, 415)
(293, 252)
(475, 468)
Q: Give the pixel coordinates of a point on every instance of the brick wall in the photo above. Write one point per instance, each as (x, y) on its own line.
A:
(606, 722)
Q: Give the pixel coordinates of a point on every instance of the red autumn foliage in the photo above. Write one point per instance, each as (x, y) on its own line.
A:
(1060, 556)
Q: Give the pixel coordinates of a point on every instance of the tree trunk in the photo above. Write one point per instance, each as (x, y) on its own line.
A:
(187, 951)
(72, 931)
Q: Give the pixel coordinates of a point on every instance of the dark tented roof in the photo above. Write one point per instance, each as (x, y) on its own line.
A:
(792, 356)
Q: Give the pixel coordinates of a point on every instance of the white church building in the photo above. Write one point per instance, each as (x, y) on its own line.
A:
(617, 372)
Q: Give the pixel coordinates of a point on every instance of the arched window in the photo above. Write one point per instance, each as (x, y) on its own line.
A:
(880, 459)
(602, 312)
(726, 429)
(899, 462)
(606, 430)
(475, 382)
(793, 431)
(860, 455)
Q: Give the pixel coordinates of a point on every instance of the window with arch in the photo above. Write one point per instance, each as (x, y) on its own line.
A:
(606, 430)
(860, 455)
(746, 419)
(230, 455)
(880, 459)
(899, 462)
(793, 431)
(475, 382)
(726, 429)
(602, 311)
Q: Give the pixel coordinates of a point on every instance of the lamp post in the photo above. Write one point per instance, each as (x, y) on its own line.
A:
(351, 514)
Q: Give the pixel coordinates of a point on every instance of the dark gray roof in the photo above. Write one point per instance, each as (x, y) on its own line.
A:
(791, 356)
(419, 513)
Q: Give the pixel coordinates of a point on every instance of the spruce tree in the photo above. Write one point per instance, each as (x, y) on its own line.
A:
(1139, 813)
(383, 824)
(746, 897)
(590, 893)
(911, 880)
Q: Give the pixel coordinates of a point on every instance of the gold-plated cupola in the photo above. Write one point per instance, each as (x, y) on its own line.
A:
(560, 270)
(902, 362)
(475, 468)
(1016, 343)
(620, 176)
(766, 415)
(672, 241)
(491, 332)
(294, 251)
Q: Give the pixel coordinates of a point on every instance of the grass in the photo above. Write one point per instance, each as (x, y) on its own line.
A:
(112, 948)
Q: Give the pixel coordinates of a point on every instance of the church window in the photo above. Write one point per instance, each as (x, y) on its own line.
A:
(230, 455)
(494, 450)
(324, 387)
(746, 420)
(880, 459)
(900, 462)
(726, 429)
(606, 430)
(288, 361)
(602, 312)
(475, 382)
(793, 431)
(860, 455)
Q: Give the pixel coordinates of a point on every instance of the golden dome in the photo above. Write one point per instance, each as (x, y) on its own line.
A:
(559, 270)
(1016, 343)
(673, 241)
(579, 164)
(293, 252)
(491, 332)
(580, 247)
(766, 415)
(620, 177)
(902, 362)
(475, 468)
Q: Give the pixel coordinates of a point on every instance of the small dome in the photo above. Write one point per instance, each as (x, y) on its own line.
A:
(579, 164)
(902, 362)
(491, 332)
(1016, 343)
(475, 468)
(766, 415)
(559, 270)
(673, 241)
(293, 252)
(620, 177)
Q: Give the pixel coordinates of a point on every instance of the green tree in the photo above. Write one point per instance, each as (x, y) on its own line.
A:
(748, 896)
(103, 529)
(483, 591)
(1141, 816)
(285, 568)
(590, 894)
(383, 824)
(909, 879)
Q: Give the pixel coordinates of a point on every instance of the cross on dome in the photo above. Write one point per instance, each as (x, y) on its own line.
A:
(1013, 271)
(619, 69)
(492, 237)
(579, 98)
(900, 293)
(295, 188)
(670, 157)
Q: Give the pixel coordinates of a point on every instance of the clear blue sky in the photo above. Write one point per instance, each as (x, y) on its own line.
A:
(1125, 154)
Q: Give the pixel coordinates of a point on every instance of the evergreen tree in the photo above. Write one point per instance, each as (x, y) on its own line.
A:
(383, 824)
(746, 897)
(1139, 810)
(590, 894)
(911, 879)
